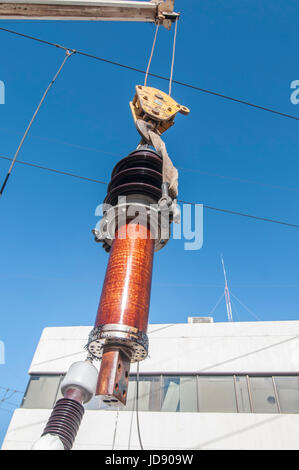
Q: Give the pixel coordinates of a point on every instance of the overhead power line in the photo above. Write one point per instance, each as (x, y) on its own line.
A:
(10, 389)
(226, 211)
(161, 77)
(67, 55)
(242, 214)
(53, 170)
(7, 394)
(240, 180)
(187, 170)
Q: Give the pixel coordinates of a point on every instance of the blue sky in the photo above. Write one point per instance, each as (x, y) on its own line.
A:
(51, 269)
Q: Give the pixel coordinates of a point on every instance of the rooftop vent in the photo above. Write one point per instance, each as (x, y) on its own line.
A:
(200, 320)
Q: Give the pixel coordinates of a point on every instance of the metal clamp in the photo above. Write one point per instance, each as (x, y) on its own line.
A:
(158, 220)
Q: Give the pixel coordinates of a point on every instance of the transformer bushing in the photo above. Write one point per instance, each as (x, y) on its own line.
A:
(119, 335)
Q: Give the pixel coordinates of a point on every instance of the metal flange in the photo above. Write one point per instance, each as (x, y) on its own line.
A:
(133, 342)
(151, 215)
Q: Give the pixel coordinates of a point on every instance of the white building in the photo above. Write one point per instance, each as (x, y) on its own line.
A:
(204, 386)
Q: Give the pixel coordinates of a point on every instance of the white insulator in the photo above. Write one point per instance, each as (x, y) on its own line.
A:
(82, 375)
(48, 442)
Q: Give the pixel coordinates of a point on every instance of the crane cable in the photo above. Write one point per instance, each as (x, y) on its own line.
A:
(66, 57)
(152, 53)
(161, 77)
(173, 55)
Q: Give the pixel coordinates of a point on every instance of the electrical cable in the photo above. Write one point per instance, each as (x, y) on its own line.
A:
(137, 407)
(217, 303)
(115, 428)
(236, 311)
(65, 173)
(242, 214)
(241, 180)
(226, 211)
(161, 77)
(2, 400)
(11, 390)
(246, 308)
(188, 170)
(67, 55)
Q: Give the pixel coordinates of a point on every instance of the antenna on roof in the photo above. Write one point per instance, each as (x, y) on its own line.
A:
(227, 295)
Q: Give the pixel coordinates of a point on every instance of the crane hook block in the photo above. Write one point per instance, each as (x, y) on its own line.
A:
(156, 107)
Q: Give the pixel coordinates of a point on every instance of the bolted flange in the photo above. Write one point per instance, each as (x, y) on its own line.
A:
(133, 342)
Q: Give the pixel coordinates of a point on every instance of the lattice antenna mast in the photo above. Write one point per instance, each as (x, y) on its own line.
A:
(227, 295)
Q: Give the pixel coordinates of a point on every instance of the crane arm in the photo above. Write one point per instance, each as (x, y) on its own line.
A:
(110, 10)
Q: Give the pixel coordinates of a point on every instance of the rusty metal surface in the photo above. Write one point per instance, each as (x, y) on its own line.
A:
(114, 376)
(126, 291)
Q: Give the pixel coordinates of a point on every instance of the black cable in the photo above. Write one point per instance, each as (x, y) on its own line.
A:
(67, 56)
(263, 219)
(137, 407)
(161, 77)
(227, 211)
(242, 214)
(55, 171)
(11, 390)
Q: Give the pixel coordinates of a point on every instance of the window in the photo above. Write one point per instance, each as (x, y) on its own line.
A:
(242, 394)
(149, 393)
(179, 393)
(218, 393)
(263, 395)
(41, 391)
(288, 393)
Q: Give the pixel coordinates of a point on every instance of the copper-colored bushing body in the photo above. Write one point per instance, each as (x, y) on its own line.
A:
(126, 292)
(125, 301)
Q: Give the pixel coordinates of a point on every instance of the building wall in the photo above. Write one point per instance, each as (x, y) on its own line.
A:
(251, 347)
(164, 430)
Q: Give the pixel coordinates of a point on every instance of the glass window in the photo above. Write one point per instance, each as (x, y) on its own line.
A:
(288, 393)
(171, 394)
(179, 393)
(41, 391)
(131, 397)
(263, 395)
(188, 394)
(243, 403)
(217, 394)
(149, 393)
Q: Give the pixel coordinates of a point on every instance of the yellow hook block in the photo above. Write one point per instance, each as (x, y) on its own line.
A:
(153, 105)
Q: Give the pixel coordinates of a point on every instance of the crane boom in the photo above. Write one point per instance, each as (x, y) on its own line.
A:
(110, 10)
